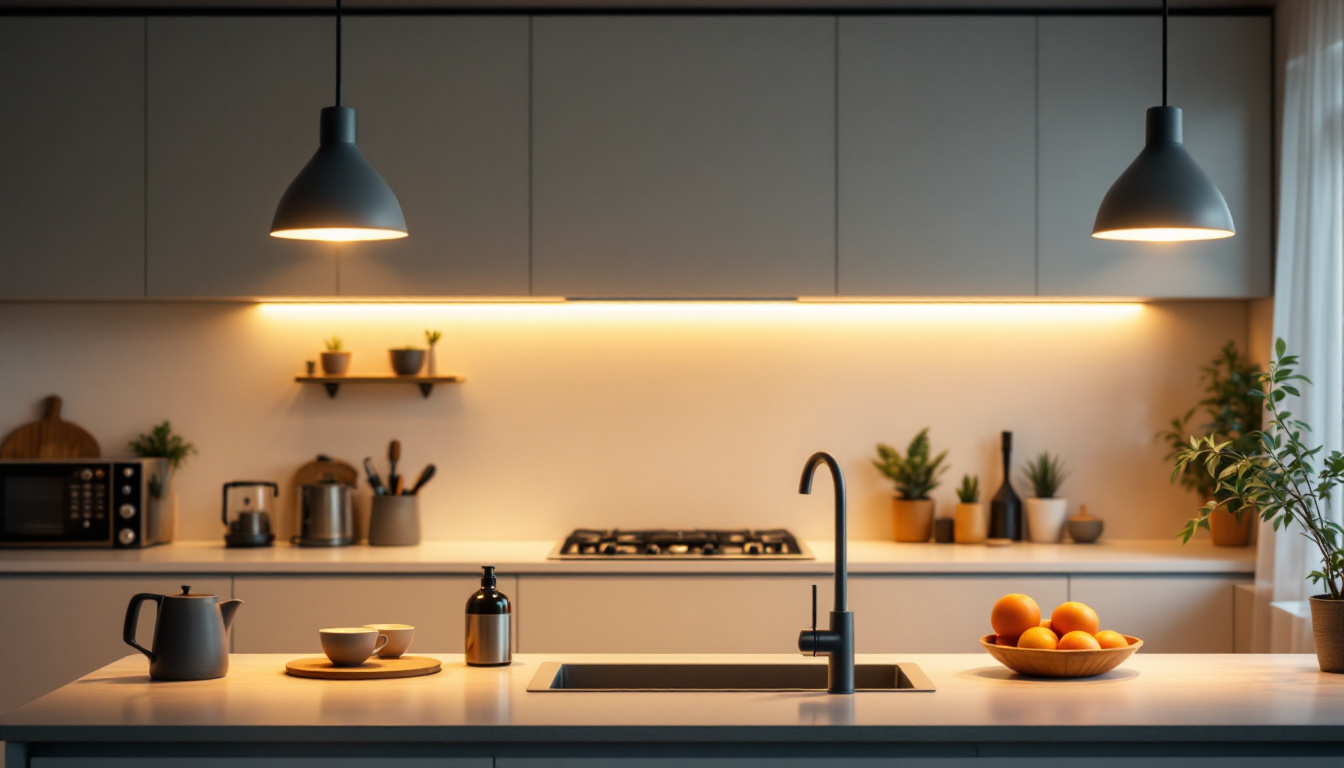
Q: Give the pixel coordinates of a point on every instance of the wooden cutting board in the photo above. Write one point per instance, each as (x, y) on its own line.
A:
(50, 438)
(321, 668)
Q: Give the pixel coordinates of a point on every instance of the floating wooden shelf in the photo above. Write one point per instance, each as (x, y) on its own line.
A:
(333, 383)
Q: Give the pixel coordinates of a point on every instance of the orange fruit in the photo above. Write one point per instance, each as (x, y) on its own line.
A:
(1046, 623)
(1014, 614)
(1074, 617)
(1078, 641)
(1109, 639)
(1008, 640)
(1038, 637)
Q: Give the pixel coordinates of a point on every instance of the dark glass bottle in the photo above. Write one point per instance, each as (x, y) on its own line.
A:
(489, 634)
(1005, 511)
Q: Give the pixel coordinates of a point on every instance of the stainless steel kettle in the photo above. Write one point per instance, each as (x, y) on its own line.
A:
(191, 635)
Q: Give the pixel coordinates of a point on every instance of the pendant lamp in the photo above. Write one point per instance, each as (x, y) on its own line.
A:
(338, 196)
(1163, 196)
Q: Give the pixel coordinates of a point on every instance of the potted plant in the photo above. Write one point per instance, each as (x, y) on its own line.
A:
(432, 338)
(160, 442)
(1233, 414)
(408, 360)
(914, 475)
(335, 361)
(1045, 513)
(1278, 478)
(971, 522)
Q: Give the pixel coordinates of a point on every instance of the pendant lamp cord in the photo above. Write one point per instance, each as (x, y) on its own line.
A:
(339, 103)
(1164, 52)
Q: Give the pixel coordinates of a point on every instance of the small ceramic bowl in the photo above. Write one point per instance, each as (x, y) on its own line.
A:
(1038, 662)
(1085, 531)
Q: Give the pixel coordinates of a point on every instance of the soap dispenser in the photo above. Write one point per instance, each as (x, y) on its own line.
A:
(489, 630)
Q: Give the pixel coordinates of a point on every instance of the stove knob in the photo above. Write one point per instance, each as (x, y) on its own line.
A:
(126, 536)
(126, 511)
(86, 474)
(751, 548)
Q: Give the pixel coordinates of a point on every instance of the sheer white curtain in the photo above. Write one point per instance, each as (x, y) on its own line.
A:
(1309, 283)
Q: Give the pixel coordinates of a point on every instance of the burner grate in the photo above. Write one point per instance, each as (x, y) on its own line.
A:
(696, 543)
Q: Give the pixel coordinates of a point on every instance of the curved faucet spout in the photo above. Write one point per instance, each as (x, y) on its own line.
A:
(841, 557)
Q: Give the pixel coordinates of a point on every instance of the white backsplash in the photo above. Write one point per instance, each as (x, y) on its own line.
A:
(648, 414)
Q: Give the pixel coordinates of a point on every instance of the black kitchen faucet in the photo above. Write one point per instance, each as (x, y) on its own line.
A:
(836, 643)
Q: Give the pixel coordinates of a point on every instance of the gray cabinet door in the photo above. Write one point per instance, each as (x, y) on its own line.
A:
(72, 154)
(683, 156)
(1098, 76)
(937, 156)
(443, 109)
(233, 116)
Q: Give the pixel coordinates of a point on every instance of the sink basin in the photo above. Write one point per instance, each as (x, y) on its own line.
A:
(559, 676)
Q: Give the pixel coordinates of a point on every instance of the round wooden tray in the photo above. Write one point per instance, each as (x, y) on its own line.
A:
(1038, 662)
(320, 667)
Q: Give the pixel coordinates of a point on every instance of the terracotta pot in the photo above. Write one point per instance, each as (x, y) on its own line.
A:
(1045, 520)
(335, 363)
(1227, 532)
(1327, 627)
(913, 519)
(971, 523)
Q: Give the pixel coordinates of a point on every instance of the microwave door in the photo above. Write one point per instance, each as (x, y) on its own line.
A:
(46, 505)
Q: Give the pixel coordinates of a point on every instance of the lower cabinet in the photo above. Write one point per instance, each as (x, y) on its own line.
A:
(1170, 613)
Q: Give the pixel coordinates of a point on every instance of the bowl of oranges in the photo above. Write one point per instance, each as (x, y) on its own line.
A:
(1070, 643)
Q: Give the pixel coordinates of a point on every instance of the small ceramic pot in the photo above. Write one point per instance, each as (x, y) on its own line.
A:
(971, 524)
(1227, 532)
(1045, 520)
(335, 363)
(912, 520)
(1085, 530)
(1327, 628)
(407, 362)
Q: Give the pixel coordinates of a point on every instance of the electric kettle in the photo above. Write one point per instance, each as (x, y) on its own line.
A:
(191, 635)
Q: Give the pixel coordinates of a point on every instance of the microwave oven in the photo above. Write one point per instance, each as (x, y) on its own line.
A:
(110, 503)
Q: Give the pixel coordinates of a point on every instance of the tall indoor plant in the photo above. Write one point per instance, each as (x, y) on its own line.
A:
(1233, 413)
(914, 474)
(1278, 477)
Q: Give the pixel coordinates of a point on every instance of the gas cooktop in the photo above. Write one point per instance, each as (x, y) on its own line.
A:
(774, 544)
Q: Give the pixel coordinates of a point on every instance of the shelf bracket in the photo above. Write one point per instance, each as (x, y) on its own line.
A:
(332, 388)
(425, 388)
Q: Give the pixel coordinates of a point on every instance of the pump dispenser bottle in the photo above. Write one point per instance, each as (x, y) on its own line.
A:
(488, 624)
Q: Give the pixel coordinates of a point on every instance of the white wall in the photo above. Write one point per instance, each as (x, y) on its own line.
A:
(636, 414)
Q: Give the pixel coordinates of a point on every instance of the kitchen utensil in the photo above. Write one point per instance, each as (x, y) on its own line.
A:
(50, 438)
(489, 632)
(191, 635)
(326, 515)
(326, 470)
(351, 646)
(1084, 528)
(399, 638)
(1038, 662)
(375, 482)
(247, 510)
(426, 475)
(394, 521)
(321, 668)
(393, 456)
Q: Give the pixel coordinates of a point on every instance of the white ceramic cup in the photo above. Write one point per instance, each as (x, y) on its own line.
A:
(398, 639)
(351, 646)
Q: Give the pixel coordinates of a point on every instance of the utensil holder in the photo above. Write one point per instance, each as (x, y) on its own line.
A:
(394, 521)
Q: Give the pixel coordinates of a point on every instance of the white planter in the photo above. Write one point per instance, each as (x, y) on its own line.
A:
(1045, 520)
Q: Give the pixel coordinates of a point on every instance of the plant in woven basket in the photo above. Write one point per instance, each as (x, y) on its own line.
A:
(914, 474)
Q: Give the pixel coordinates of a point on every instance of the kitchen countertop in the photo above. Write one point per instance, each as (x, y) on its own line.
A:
(522, 557)
(1152, 698)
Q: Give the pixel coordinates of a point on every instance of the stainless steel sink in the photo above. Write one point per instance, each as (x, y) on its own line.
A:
(559, 676)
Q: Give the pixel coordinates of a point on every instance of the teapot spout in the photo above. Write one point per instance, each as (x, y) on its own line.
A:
(228, 609)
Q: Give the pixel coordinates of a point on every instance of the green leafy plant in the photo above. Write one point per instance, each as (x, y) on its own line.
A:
(334, 344)
(914, 474)
(1045, 474)
(160, 442)
(1277, 476)
(1233, 411)
(432, 337)
(969, 491)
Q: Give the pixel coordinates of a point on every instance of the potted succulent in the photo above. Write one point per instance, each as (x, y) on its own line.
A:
(914, 475)
(160, 442)
(1278, 478)
(971, 522)
(432, 338)
(408, 360)
(335, 360)
(1045, 513)
(1233, 414)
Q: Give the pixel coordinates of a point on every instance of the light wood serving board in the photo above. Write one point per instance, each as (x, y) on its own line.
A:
(321, 668)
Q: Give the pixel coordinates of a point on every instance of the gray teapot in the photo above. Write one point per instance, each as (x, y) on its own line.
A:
(191, 635)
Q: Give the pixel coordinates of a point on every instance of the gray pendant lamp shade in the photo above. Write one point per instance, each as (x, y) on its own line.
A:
(1163, 196)
(338, 196)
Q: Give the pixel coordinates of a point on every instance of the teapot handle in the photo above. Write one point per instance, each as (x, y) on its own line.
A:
(133, 618)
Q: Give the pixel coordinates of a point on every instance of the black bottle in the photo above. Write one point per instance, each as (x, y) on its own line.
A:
(1005, 511)
(488, 624)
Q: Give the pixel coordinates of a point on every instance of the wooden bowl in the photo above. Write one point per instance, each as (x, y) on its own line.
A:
(1042, 663)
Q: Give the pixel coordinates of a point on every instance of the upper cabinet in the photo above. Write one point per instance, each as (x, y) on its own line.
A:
(937, 156)
(72, 157)
(683, 156)
(1098, 76)
(443, 116)
(233, 116)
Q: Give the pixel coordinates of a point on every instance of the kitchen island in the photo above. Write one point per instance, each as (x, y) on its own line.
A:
(1198, 710)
